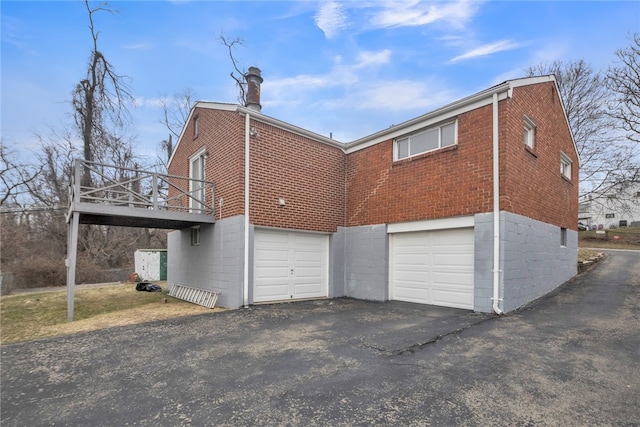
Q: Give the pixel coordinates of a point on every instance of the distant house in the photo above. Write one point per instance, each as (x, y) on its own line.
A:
(406, 213)
(618, 207)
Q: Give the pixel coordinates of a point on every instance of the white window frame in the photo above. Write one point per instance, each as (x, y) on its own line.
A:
(565, 165)
(196, 121)
(529, 132)
(397, 141)
(197, 165)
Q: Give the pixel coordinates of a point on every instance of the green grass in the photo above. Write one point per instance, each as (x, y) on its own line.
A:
(29, 316)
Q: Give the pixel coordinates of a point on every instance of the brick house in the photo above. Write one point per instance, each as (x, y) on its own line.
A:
(407, 213)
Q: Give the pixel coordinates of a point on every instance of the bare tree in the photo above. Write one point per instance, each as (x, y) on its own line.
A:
(606, 156)
(176, 110)
(15, 177)
(623, 79)
(238, 74)
(100, 99)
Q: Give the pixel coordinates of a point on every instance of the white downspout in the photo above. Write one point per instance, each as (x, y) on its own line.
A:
(496, 209)
(245, 288)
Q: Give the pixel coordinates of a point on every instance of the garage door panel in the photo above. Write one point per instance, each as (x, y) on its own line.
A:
(271, 292)
(452, 299)
(266, 273)
(452, 278)
(289, 265)
(309, 256)
(309, 272)
(268, 256)
(433, 267)
(412, 293)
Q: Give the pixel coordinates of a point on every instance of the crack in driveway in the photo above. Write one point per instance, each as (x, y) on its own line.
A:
(418, 346)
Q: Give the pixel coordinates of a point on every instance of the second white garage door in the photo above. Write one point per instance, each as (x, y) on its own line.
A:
(433, 267)
(289, 265)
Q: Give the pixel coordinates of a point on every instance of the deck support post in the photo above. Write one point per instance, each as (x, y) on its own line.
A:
(72, 252)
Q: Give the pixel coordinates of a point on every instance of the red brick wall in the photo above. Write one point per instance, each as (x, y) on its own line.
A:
(451, 182)
(532, 183)
(309, 175)
(223, 134)
(458, 180)
(324, 188)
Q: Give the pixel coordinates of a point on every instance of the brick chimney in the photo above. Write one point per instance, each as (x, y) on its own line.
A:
(254, 80)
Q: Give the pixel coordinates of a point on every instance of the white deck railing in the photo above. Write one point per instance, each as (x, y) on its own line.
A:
(99, 183)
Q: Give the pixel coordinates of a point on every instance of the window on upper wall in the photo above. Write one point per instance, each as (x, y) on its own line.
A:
(529, 132)
(426, 140)
(563, 237)
(197, 164)
(195, 126)
(565, 165)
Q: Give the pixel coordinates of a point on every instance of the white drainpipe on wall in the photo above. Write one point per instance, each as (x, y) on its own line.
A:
(496, 209)
(245, 288)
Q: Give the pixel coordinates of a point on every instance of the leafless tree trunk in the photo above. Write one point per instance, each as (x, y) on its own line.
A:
(238, 74)
(100, 99)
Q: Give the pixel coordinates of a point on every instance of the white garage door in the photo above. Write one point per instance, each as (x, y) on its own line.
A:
(289, 265)
(433, 267)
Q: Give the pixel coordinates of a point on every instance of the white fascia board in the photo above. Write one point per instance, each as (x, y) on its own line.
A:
(432, 224)
(256, 115)
(527, 81)
(442, 114)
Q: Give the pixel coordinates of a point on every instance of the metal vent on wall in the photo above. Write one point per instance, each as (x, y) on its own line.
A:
(201, 297)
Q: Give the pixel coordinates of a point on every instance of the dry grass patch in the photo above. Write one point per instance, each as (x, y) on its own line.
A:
(586, 254)
(30, 316)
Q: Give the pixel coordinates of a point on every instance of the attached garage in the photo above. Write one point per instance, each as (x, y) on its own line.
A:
(433, 267)
(289, 265)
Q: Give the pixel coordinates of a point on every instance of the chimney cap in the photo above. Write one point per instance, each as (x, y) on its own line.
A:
(254, 72)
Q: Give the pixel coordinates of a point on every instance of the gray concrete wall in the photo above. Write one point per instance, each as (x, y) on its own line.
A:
(216, 264)
(483, 263)
(366, 262)
(533, 262)
(337, 263)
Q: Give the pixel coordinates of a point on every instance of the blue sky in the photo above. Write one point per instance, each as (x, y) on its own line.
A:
(347, 68)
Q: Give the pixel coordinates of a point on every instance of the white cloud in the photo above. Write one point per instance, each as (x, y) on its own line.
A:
(417, 13)
(367, 58)
(331, 18)
(291, 90)
(402, 95)
(487, 49)
(138, 46)
(149, 102)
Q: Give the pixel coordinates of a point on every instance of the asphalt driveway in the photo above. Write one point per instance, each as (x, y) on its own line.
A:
(571, 358)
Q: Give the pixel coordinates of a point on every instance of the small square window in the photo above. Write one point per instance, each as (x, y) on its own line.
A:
(563, 237)
(195, 236)
(529, 132)
(565, 165)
